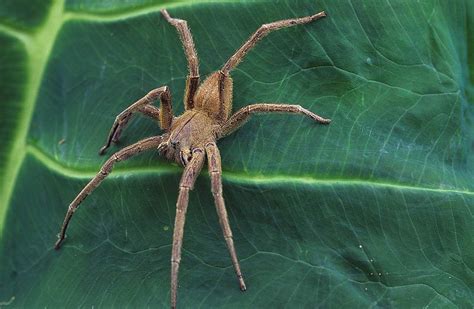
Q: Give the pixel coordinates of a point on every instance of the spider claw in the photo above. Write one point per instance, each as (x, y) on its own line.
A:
(57, 245)
(320, 119)
(243, 288)
(319, 15)
(59, 242)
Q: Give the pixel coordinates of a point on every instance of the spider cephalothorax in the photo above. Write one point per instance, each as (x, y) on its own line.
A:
(187, 132)
(191, 137)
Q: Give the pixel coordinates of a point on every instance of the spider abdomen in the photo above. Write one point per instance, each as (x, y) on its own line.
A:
(214, 96)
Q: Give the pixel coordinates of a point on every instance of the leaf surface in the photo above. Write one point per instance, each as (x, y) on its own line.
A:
(375, 209)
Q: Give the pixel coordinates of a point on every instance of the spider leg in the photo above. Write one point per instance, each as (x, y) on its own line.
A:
(192, 81)
(150, 111)
(262, 32)
(164, 114)
(124, 154)
(190, 174)
(241, 116)
(215, 171)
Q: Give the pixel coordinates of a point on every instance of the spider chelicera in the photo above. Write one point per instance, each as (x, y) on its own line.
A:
(191, 137)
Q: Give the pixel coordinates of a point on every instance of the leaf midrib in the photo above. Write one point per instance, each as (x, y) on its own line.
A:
(235, 177)
(38, 46)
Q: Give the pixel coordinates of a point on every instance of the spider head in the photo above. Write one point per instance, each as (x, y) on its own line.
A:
(187, 133)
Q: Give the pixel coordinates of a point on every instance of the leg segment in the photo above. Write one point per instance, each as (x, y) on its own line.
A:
(215, 171)
(241, 116)
(192, 81)
(190, 174)
(260, 33)
(164, 114)
(127, 152)
(147, 110)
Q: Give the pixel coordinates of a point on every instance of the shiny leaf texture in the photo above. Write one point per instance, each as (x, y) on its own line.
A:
(375, 209)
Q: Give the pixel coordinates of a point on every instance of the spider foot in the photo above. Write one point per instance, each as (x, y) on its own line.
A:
(103, 149)
(243, 287)
(59, 242)
(319, 15)
(315, 117)
(323, 120)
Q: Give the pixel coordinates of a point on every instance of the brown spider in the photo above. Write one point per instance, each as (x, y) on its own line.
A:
(189, 138)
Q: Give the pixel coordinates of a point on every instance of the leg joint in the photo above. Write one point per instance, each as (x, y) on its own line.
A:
(122, 116)
(155, 93)
(71, 208)
(103, 172)
(197, 150)
(165, 91)
(106, 168)
(179, 21)
(217, 192)
(264, 28)
(223, 73)
(210, 144)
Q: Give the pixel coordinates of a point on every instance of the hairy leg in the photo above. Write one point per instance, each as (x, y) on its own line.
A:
(262, 32)
(250, 43)
(164, 114)
(191, 171)
(192, 81)
(241, 116)
(215, 171)
(125, 153)
(150, 111)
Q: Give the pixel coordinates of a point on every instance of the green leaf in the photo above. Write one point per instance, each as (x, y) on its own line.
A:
(375, 209)
(24, 14)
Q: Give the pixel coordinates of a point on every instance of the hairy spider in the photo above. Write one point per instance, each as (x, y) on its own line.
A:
(191, 137)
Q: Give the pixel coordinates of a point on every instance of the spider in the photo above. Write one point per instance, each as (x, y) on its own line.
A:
(191, 137)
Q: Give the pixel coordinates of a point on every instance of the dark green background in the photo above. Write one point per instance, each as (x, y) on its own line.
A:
(374, 210)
